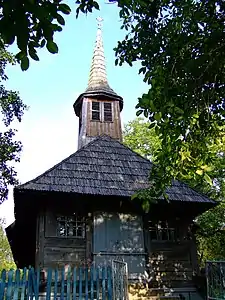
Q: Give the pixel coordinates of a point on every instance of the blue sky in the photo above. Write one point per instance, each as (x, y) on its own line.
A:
(49, 128)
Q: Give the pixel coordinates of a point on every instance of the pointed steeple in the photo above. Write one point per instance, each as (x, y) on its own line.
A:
(98, 75)
(98, 86)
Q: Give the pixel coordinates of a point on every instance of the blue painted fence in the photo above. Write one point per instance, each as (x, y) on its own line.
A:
(81, 283)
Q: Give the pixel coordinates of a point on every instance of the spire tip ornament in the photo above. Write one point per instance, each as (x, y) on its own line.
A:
(99, 22)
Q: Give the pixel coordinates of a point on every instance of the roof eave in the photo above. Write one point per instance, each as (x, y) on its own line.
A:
(96, 94)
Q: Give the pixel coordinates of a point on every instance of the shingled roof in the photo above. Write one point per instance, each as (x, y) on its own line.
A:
(105, 167)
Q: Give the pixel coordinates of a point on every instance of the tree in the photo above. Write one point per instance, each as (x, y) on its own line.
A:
(12, 108)
(6, 258)
(141, 139)
(32, 24)
(210, 234)
(179, 46)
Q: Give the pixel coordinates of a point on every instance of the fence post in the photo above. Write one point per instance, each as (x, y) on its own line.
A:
(56, 284)
(109, 282)
(68, 283)
(80, 283)
(17, 283)
(2, 284)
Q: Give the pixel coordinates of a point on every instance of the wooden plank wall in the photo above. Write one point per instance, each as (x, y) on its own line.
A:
(169, 263)
(53, 251)
(172, 263)
(96, 128)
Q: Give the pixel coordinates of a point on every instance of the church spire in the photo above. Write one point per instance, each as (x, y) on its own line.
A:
(98, 75)
(99, 107)
(98, 86)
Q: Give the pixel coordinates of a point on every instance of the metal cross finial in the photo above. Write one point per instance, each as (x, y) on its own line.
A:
(99, 20)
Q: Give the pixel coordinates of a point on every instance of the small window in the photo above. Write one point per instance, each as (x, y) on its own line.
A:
(108, 111)
(96, 111)
(71, 226)
(101, 111)
(162, 231)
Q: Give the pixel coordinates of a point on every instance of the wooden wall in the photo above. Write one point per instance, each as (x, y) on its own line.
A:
(169, 263)
(54, 251)
(90, 129)
(173, 263)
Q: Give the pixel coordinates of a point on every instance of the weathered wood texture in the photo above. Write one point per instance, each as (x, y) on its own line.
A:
(113, 128)
(55, 251)
(171, 264)
(40, 236)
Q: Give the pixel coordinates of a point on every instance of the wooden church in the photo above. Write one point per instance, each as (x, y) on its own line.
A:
(80, 211)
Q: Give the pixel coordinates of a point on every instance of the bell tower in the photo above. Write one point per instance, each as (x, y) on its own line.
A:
(99, 107)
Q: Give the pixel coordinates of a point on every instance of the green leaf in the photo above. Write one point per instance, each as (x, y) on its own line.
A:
(65, 8)
(142, 70)
(95, 5)
(208, 179)
(33, 56)
(24, 63)
(199, 172)
(43, 43)
(52, 47)
(158, 116)
(179, 110)
(20, 55)
(139, 112)
(146, 206)
(134, 196)
(152, 106)
(152, 125)
(60, 19)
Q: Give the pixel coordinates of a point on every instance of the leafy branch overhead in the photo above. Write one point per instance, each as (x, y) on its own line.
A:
(179, 44)
(31, 24)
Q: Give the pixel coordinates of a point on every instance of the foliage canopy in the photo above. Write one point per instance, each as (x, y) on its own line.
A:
(179, 44)
(6, 258)
(11, 108)
(210, 234)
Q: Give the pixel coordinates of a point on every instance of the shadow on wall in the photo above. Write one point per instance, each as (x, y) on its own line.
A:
(119, 236)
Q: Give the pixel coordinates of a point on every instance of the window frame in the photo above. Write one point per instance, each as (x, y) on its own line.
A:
(98, 111)
(71, 221)
(107, 110)
(162, 228)
(102, 111)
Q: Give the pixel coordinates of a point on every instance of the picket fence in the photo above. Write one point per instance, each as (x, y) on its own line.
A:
(80, 283)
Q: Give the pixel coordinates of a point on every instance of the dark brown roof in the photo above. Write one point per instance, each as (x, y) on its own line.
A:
(105, 167)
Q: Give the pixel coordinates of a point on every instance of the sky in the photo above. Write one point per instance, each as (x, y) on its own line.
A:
(49, 129)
